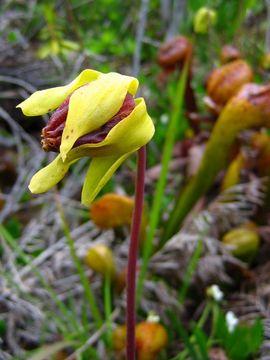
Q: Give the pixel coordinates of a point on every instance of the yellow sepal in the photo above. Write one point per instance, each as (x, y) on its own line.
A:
(44, 101)
(99, 173)
(49, 176)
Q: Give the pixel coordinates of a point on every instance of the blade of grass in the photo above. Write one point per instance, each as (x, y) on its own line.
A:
(108, 309)
(201, 341)
(71, 303)
(83, 278)
(71, 319)
(190, 349)
(197, 335)
(177, 103)
(192, 265)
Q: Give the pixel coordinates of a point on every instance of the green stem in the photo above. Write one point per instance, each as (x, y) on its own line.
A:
(159, 192)
(215, 314)
(204, 315)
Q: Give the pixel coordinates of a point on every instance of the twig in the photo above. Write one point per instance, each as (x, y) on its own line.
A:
(18, 130)
(165, 11)
(60, 244)
(22, 83)
(139, 37)
(177, 14)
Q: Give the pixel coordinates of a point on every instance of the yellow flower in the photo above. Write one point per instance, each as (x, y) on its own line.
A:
(100, 259)
(204, 19)
(92, 120)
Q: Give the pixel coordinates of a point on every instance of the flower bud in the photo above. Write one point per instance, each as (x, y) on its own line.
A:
(229, 53)
(114, 210)
(100, 259)
(233, 173)
(225, 82)
(151, 338)
(243, 242)
(215, 293)
(204, 19)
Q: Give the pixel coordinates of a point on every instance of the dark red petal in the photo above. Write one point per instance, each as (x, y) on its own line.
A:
(52, 132)
(98, 135)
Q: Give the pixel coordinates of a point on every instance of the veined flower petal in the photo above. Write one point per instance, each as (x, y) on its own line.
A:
(93, 105)
(44, 101)
(49, 176)
(99, 173)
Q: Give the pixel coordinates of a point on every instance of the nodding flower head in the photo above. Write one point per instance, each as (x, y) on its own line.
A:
(173, 53)
(52, 132)
(96, 116)
(204, 19)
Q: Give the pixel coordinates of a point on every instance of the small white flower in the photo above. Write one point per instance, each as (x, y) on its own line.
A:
(152, 317)
(215, 293)
(164, 119)
(231, 321)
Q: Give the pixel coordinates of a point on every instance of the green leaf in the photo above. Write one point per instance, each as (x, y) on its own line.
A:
(244, 341)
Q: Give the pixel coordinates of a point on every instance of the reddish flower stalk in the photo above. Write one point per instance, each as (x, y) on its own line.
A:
(132, 256)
